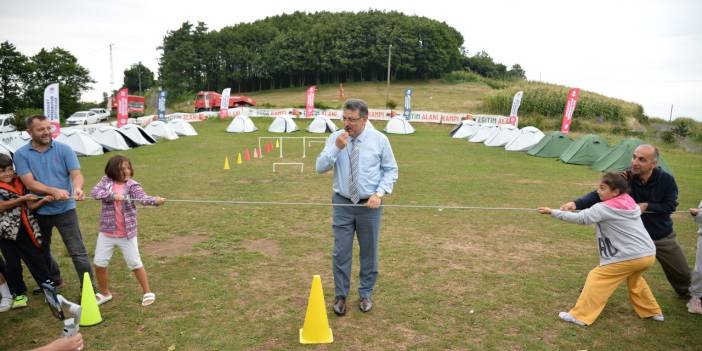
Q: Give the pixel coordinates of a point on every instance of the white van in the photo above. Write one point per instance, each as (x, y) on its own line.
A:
(6, 124)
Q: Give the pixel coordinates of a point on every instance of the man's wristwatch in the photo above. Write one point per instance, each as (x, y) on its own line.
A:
(379, 195)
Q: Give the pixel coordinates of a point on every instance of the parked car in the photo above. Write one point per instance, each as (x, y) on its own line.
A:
(103, 114)
(6, 124)
(82, 117)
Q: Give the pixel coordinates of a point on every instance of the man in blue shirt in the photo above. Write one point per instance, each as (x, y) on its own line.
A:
(51, 168)
(364, 171)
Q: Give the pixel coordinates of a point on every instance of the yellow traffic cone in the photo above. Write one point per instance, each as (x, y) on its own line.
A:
(276, 144)
(90, 312)
(238, 158)
(316, 328)
(226, 162)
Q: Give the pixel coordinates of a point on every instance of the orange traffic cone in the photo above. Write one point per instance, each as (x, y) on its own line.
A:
(247, 155)
(255, 153)
(316, 328)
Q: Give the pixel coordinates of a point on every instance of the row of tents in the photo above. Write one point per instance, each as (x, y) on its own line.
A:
(589, 149)
(97, 140)
(320, 124)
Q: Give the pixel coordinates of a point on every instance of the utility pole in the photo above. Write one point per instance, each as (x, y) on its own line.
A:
(139, 75)
(112, 74)
(670, 118)
(387, 88)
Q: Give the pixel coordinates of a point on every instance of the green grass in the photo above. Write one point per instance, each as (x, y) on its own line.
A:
(245, 281)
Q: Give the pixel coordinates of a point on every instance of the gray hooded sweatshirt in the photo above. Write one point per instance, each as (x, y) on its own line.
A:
(621, 235)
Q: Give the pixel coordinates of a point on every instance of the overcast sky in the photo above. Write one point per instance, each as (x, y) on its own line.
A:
(649, 52)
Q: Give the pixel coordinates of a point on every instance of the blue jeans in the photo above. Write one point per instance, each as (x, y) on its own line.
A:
(67, 225)
(365, 223)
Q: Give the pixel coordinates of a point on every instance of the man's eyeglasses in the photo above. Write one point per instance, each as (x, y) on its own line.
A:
(348, 119)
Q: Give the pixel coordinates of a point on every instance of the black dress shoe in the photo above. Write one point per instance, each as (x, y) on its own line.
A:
(340, 305)
(365, 304)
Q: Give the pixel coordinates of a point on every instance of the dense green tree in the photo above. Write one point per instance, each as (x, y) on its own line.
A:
(138, 78)
(301, 49)
(14, 72)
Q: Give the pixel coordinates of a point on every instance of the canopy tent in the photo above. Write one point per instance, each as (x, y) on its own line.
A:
(485, 132)
(619, 157)
(399, 125)
(505, 134)
(80, 142)
(465, 130)
(161, 130)
(551, 145)
(585, 150)
(137, 134)
(283, 124)
(322, 124)
(182, 127)
(528, 137)
(111, 138)
(241, 124)
(369, 124)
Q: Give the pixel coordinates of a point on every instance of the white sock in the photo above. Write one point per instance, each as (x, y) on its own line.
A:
(5, 291)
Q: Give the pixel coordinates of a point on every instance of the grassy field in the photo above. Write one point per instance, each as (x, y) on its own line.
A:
(234, 277)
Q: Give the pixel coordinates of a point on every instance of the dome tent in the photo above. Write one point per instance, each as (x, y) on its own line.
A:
(505, 134)
(465, 130)
(551, 145)
(585, 150)
(528, 137)
(241, 124)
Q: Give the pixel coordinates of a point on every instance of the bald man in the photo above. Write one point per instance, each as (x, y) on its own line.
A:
(657, 194)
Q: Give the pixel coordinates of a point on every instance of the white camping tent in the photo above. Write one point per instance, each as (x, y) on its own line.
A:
(505, 134)
(137, 134)
(369, 124)
(528, 137)
(160, 130)
(322, 124)
(241, 124)
(485, 132)
(182, 127)
(283, 124)
(465, 130)
(4, 149)
(110, 138)
(80, 142)
(399, 125)
(14, 140)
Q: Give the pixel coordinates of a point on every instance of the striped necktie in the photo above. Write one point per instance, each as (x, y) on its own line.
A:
(355, 197)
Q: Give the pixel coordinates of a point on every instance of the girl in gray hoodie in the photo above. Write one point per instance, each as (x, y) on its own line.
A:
(626, 252)
(694, 305)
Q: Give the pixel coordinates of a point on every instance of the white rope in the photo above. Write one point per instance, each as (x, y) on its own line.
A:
(326, 204)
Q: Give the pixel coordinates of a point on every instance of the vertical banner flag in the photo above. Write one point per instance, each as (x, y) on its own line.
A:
(309, 105)
(513, 119)
(224, 104)
(122, 107)
(408, 105)
(162, 105)
(51, 108)
(569, 108)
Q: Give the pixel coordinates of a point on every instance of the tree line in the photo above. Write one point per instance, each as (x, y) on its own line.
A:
(300, 49)
(23, 79)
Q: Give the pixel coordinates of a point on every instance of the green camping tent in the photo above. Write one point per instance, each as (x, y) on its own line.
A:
(586, 150)
(551, 145)
(619, 158)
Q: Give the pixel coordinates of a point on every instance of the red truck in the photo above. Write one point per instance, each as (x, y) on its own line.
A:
(211, 101)
(135, 105)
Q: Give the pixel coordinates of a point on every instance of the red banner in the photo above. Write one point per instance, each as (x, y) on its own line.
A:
(122, 107)
(569, 108)
(309, 106)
